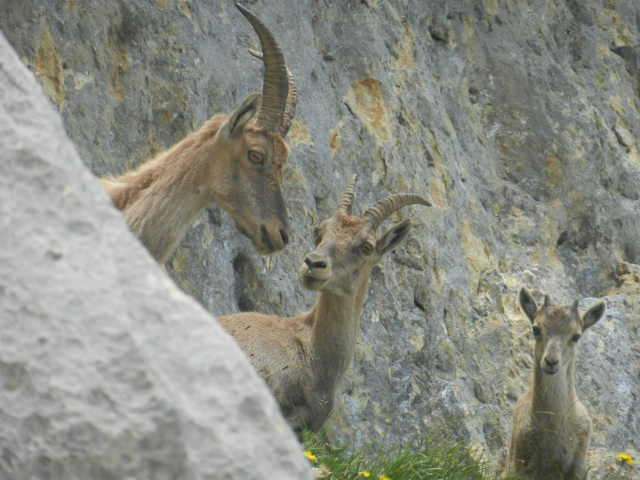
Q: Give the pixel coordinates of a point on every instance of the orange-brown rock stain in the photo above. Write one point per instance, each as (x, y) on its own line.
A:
(49, 68)
(120, 67)
(299, 134)
(366, 100)
(335, 141)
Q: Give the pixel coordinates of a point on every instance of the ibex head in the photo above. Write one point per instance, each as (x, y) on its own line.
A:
(557, 330)
(247, 175)
(348, 245)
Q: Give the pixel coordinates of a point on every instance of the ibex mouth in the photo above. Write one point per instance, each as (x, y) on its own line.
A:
(550, 370)
(261, 240)
(311, 281)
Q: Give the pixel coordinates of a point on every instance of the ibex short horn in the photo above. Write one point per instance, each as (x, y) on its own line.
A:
(384, 208)
(346, 202)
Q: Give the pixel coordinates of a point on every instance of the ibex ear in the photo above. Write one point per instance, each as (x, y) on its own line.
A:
(594, 314)
(393, 237)
(242, 115)
(528, 304)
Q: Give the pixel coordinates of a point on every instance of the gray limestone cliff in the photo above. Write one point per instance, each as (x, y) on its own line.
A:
(519, 119)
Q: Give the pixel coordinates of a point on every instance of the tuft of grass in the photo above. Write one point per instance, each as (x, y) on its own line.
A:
(431, 460)
(428, 461)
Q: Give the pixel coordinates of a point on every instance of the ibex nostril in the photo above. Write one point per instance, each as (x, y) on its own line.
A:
(285, 236)
(265, 237)
(315, 264)
(552, 362)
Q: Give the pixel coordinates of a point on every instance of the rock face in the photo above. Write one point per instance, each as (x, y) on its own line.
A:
(107, 370)
(519, 120)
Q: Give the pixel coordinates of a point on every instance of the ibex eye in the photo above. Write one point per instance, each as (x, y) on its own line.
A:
(536, 331)
(575, 338)
(257, 158)
(366, 248)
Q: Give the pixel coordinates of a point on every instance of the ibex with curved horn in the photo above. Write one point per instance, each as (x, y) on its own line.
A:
(303, 358)
(234, 160)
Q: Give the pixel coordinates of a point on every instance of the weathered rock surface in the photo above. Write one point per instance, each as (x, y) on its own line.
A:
(107, 370)
(519, 119)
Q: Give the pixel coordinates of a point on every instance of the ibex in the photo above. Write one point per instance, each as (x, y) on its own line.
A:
(551, 427)
(303, 358)
(234, 160)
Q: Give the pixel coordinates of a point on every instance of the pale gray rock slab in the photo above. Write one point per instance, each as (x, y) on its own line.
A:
(108, 370)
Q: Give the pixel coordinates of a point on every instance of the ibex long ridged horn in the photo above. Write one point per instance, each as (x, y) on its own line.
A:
(346, 202)
(275, 86)
(381, 210)
(292, 98)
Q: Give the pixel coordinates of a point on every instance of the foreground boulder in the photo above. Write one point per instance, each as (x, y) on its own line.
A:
(107, 370)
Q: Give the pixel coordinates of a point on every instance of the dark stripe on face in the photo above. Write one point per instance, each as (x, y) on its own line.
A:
(280, 207)
(266, 238)
(269, 201)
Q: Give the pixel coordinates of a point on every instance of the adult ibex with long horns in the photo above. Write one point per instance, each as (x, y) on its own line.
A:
(233, 160)
(303, 358)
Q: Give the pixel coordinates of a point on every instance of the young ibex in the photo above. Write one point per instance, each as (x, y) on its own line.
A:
(551, 427)
(303, 358)
(235, 161)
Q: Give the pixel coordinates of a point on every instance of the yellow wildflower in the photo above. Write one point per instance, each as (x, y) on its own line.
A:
(384, 477)
(625, 458)
(311, 456)
(364, 474)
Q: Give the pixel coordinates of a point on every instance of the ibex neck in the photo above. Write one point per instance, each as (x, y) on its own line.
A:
(554, 396)
(336, 322)
(166, 208)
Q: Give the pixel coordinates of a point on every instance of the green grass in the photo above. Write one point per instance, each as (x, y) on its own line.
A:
(434, 461)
